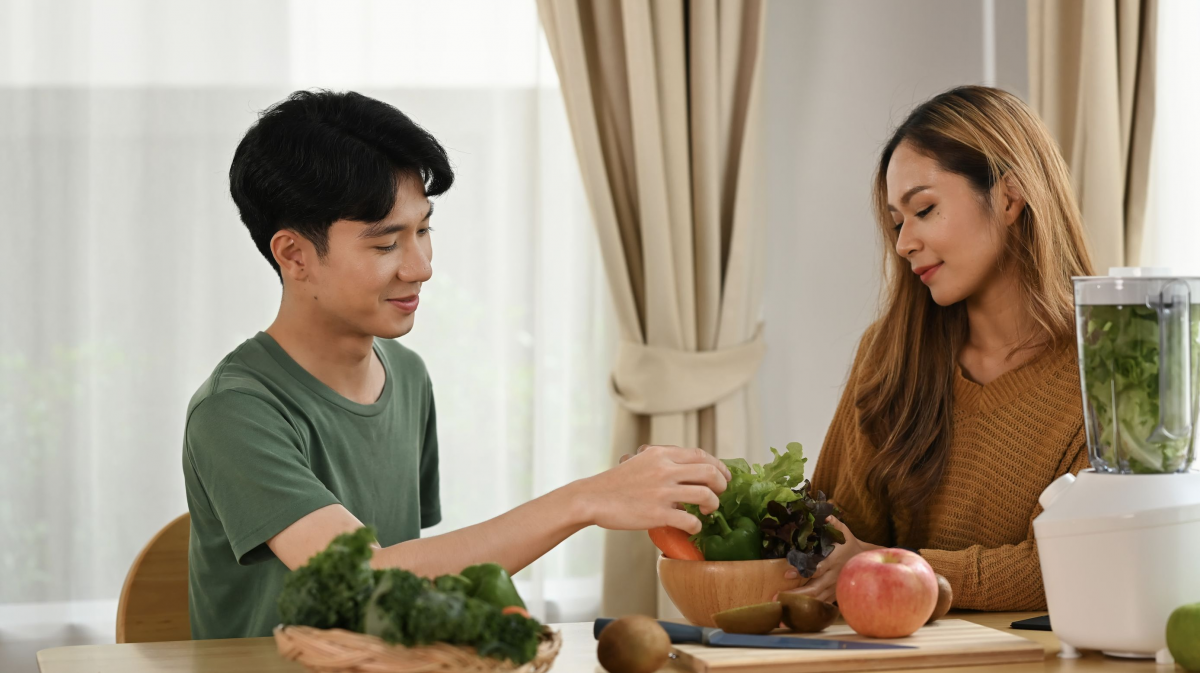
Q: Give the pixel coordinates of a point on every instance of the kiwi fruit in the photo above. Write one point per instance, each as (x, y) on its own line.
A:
(633, 644)
(806, 614)
(945, 598)
(754, 619)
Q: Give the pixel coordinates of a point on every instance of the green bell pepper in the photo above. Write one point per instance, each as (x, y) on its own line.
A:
(740, 542)
(491, 583)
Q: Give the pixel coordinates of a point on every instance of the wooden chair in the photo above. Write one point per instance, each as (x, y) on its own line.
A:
(154, 601)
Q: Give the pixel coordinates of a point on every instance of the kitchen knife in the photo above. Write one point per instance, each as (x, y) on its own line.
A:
(686, 633)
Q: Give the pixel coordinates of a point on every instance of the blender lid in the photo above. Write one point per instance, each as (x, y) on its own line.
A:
(1140, 272)
(1104, 503)
(1130, 286)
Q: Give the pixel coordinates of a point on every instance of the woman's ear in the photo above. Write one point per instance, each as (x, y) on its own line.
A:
(290, 254)
(1011, 199)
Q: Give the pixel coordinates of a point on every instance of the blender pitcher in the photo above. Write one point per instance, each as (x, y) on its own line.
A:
(1138, 334)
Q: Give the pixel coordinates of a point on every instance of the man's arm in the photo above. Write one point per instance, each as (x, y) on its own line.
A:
(638, 494)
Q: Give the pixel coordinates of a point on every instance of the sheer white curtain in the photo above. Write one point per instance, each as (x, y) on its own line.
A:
(125, 274)
(1172, 221)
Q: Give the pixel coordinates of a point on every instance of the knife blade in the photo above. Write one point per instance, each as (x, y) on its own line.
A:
(686, 633)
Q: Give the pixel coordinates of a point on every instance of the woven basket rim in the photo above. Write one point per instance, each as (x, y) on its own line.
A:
(329, 650)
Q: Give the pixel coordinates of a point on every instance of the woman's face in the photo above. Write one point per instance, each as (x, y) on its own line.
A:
(950, 237)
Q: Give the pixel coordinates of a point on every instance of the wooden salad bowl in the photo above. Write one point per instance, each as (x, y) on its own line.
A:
(701, 589)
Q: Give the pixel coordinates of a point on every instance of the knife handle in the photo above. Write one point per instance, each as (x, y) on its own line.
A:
(679, 633)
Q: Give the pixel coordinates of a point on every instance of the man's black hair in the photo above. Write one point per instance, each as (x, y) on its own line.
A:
(320, 156)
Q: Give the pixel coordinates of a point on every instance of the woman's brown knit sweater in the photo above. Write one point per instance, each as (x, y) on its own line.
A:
(1011, 438)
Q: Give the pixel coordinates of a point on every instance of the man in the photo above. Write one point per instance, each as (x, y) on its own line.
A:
(323, 423)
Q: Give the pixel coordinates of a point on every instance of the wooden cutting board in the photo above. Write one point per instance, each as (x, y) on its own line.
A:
(950, 642)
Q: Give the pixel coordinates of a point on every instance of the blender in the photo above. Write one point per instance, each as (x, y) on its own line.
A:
(1119, 545)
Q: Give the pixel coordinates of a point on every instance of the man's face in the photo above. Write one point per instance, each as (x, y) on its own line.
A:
(371, 274)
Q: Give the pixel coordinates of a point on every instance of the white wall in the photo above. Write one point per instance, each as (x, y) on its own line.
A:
(839, 76)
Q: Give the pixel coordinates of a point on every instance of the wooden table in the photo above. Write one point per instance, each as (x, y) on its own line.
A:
(258, 655)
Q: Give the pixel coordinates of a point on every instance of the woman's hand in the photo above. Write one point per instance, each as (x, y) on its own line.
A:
(823, 583)
(643, 491)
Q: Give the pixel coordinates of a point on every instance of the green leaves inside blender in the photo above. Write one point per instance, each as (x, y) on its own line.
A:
(1121, 364)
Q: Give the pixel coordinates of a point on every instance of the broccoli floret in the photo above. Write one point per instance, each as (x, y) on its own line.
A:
(330, 591)
(454, 584)
(412, 611)
(511, 637)
(338, 589)
(390, 607)
(437, 617)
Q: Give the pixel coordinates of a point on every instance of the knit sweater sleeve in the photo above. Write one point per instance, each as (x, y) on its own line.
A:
(1007, 578)
(841, 471)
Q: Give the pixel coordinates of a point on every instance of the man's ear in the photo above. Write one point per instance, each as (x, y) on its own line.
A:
(1012, 199)
(292, 253)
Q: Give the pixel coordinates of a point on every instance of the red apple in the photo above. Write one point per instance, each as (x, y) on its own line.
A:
(888, 593)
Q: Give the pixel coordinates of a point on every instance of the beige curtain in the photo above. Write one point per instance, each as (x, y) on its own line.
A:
(1091, 78)
(664, 100)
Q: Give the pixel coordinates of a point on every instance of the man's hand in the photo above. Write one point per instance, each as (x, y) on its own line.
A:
(823, 584)
(645, 489)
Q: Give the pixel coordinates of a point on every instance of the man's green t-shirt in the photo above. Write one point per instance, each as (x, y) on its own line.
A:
(267, 443)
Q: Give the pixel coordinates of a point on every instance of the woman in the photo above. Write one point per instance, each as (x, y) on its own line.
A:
(963, 402)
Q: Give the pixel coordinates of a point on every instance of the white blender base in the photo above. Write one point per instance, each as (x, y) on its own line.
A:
(1162, 658)
(1127, 655)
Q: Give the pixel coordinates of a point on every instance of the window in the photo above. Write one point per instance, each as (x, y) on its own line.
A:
(127, 274)
(1172, 223)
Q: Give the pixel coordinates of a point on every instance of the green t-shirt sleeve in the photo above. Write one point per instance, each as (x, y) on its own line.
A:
(251, 465)
(431, 503)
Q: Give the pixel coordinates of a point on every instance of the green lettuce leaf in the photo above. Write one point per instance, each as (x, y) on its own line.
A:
(776, 496)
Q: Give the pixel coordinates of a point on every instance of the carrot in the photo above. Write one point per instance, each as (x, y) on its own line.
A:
(674, 544)
(516, 610)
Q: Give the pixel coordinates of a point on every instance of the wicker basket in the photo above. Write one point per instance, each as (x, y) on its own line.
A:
(340, 651)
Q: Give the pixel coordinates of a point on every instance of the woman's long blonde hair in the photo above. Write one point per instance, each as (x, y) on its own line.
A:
(905, 398)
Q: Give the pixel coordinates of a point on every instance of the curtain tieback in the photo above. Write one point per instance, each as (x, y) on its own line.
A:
(649, 380)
